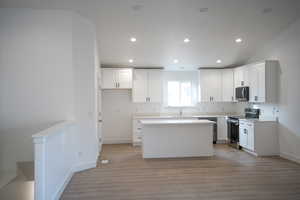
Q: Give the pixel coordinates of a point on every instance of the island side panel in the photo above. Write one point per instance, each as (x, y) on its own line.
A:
(177, 140)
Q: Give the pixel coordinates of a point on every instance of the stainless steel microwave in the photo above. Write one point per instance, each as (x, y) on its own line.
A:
(242, 93)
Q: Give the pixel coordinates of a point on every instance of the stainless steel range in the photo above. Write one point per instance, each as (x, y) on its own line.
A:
(233, 126)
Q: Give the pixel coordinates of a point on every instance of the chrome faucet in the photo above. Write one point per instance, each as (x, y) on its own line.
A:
(180, 112)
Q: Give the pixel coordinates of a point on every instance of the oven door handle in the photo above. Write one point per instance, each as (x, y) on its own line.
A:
(243, 92)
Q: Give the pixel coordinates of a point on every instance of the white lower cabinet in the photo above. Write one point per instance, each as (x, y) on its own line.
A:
(259, 137)
(222, 129)
(137, 132)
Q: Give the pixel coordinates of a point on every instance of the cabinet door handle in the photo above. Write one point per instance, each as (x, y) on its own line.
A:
(149, 99)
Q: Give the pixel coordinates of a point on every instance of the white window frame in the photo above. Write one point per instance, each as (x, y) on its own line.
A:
(180, 105)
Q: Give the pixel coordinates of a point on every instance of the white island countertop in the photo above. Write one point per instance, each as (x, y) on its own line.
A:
(176, 121)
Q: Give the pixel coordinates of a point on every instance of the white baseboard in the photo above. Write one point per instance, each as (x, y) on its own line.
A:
(85, 166)
(6, 177)
(63, 185)
(290, 156)
(117, 141)
(69, 175)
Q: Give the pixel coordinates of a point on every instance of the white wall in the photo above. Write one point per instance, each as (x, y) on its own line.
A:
(117, 110)
(47, 75)
(286, 49)
(85, 67)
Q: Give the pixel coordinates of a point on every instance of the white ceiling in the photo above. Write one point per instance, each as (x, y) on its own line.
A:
(161, 25)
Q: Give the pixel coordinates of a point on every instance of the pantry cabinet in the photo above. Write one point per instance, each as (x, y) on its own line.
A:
(147, 86)
(116, 78)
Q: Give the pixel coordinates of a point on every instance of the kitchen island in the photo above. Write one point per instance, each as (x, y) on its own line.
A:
(163, 138)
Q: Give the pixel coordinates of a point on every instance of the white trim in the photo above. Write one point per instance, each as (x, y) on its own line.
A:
(117, 141)
(290, 156)
(85, 166)
(221, 141)
(63, 185)
(78, 168)
(43, 135)
(249, 152)
(6, 177)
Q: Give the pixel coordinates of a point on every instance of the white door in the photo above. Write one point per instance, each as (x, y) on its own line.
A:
(124, 78)
(140, 85)
(155, 86)
(108, 78)
(100, 135)
(99, 131)
(227, 85)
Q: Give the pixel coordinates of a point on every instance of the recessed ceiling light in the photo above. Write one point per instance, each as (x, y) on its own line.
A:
(238, 40)
(130, 60)
(219, 61)
(186, 40)
(133, 39)
(137, 7)
(267, 10)
(175, 61)
(202, 10)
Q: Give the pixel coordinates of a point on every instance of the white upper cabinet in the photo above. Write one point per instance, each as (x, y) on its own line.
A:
(124, 78)
(263, 79)
(147, 85)
(155, 86)
(210, 88)
(227, 85)
(116, 78)
(108, 78)
(140, 85)
(241, 76)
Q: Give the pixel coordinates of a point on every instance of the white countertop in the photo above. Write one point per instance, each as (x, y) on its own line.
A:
(260, 120)
(175, 121)
(140, 116)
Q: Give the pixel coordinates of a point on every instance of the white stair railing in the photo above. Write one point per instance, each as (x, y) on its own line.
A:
(54, 158)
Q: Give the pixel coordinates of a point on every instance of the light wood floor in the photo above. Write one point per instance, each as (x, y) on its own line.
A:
(230, 174)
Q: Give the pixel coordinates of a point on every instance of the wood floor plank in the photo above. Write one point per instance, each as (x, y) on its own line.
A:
(230, 174)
